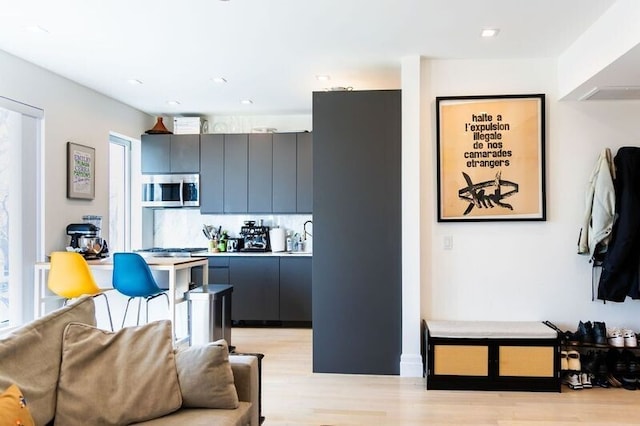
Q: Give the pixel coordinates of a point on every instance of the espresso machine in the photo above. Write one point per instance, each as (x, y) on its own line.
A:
(254, 238)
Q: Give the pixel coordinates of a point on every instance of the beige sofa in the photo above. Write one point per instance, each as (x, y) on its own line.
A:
(68, 371)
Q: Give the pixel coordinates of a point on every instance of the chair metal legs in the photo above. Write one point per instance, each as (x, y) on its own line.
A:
(147, 299)
(106, 300)
(126, 309)
(164, 293)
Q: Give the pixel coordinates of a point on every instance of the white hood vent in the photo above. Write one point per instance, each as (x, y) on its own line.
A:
(609, 93)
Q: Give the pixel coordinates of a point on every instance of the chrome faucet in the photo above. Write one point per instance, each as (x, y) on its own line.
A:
(304, 236)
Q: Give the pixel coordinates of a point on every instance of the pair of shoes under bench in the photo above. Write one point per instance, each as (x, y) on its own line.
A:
(578, 380)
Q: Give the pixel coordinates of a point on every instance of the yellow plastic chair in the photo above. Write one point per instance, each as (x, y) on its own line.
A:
(70, 277)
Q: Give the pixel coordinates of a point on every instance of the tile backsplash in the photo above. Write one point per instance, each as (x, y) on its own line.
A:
(183, 227)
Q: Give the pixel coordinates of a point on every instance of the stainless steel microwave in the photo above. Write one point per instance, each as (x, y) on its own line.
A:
(171, 190)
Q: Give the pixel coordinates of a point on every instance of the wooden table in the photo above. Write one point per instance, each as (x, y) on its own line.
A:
(177, 276)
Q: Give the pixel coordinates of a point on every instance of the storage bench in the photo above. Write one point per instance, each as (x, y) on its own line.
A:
(492, 355)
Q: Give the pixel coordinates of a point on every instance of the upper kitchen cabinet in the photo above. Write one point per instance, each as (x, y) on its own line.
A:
(260, 173)
(304, 181)
(292, 173)
(168, 153)
(256, 173)
(236, 153)
(284, 172)
(212, 174)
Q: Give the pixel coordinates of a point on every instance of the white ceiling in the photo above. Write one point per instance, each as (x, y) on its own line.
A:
(271, 50)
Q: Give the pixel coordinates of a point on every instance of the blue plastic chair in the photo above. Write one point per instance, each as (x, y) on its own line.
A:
(132, 277)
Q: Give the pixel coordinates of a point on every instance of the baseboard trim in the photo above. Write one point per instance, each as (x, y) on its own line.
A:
(411, 365)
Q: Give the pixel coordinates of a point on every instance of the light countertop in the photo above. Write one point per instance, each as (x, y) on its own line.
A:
(151, 261)
(254, 254)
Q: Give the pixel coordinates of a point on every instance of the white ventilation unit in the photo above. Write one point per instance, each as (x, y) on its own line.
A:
(610, 93)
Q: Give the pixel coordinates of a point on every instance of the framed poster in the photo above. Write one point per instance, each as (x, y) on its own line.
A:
(81, 171)
(490, 158)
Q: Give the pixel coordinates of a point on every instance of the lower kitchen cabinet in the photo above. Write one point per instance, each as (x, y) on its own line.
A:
(256, 288)
(295, 289)
(266, 289)
(219, 270)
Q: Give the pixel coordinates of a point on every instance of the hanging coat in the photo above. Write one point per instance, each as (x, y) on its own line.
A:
(621, 265)
(600, 208)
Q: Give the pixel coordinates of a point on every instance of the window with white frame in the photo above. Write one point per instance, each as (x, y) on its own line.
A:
(20, 207)
(119, 194)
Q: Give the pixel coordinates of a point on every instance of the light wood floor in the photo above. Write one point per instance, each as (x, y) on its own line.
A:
(293, 395)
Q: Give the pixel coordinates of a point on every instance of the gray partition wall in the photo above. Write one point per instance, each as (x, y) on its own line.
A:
(357, 318)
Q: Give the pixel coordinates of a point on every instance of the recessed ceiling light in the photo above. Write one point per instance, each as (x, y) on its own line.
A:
(134, 82)
(219, 80)
(246, 102)
(323, 77)
(489, 32)
(37, 29)
(173, 103)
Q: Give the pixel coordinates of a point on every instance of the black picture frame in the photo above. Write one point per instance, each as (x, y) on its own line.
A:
(81, 171)
(491, 158)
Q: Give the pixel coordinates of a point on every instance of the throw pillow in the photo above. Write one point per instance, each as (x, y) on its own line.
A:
(13, 408)
(30, 356)
(205, 376)
(118, 377)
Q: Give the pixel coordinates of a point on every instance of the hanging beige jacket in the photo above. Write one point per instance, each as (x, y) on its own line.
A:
(600, 207)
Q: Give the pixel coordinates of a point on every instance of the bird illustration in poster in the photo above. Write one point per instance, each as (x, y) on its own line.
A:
(488, 194)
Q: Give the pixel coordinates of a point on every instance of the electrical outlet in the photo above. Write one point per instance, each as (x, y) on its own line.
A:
(448, 242)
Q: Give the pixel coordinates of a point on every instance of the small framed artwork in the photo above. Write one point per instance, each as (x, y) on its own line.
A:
(490, 159)
(81, 171)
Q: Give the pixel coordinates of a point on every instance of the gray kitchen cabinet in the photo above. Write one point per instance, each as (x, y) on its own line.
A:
(357, 293)
(304, 175)
(236, 150)
(168, 153)
(295, 289)
(256, 173)
(212, 174)
(185, 154)
(219, 270)
(260, 173)
(256, 288)
(156, 153)
(292, 173)
(284, 173)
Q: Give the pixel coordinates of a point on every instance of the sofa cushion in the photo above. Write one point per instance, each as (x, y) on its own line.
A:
(240, 416)
(30, 356)
(13, 408)
(205, 376)
(117, 377)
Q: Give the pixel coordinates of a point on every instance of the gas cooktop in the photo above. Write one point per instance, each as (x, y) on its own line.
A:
(170, 252)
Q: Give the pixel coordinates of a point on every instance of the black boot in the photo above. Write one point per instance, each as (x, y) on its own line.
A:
(600, 334)
(585, 333)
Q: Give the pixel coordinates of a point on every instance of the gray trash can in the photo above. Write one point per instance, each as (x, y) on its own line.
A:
(210, 313)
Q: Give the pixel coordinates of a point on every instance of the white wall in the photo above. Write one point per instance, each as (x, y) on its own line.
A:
(522, 270)
(72, 113)
(253, 123)
(496, 270)
(183, 227)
